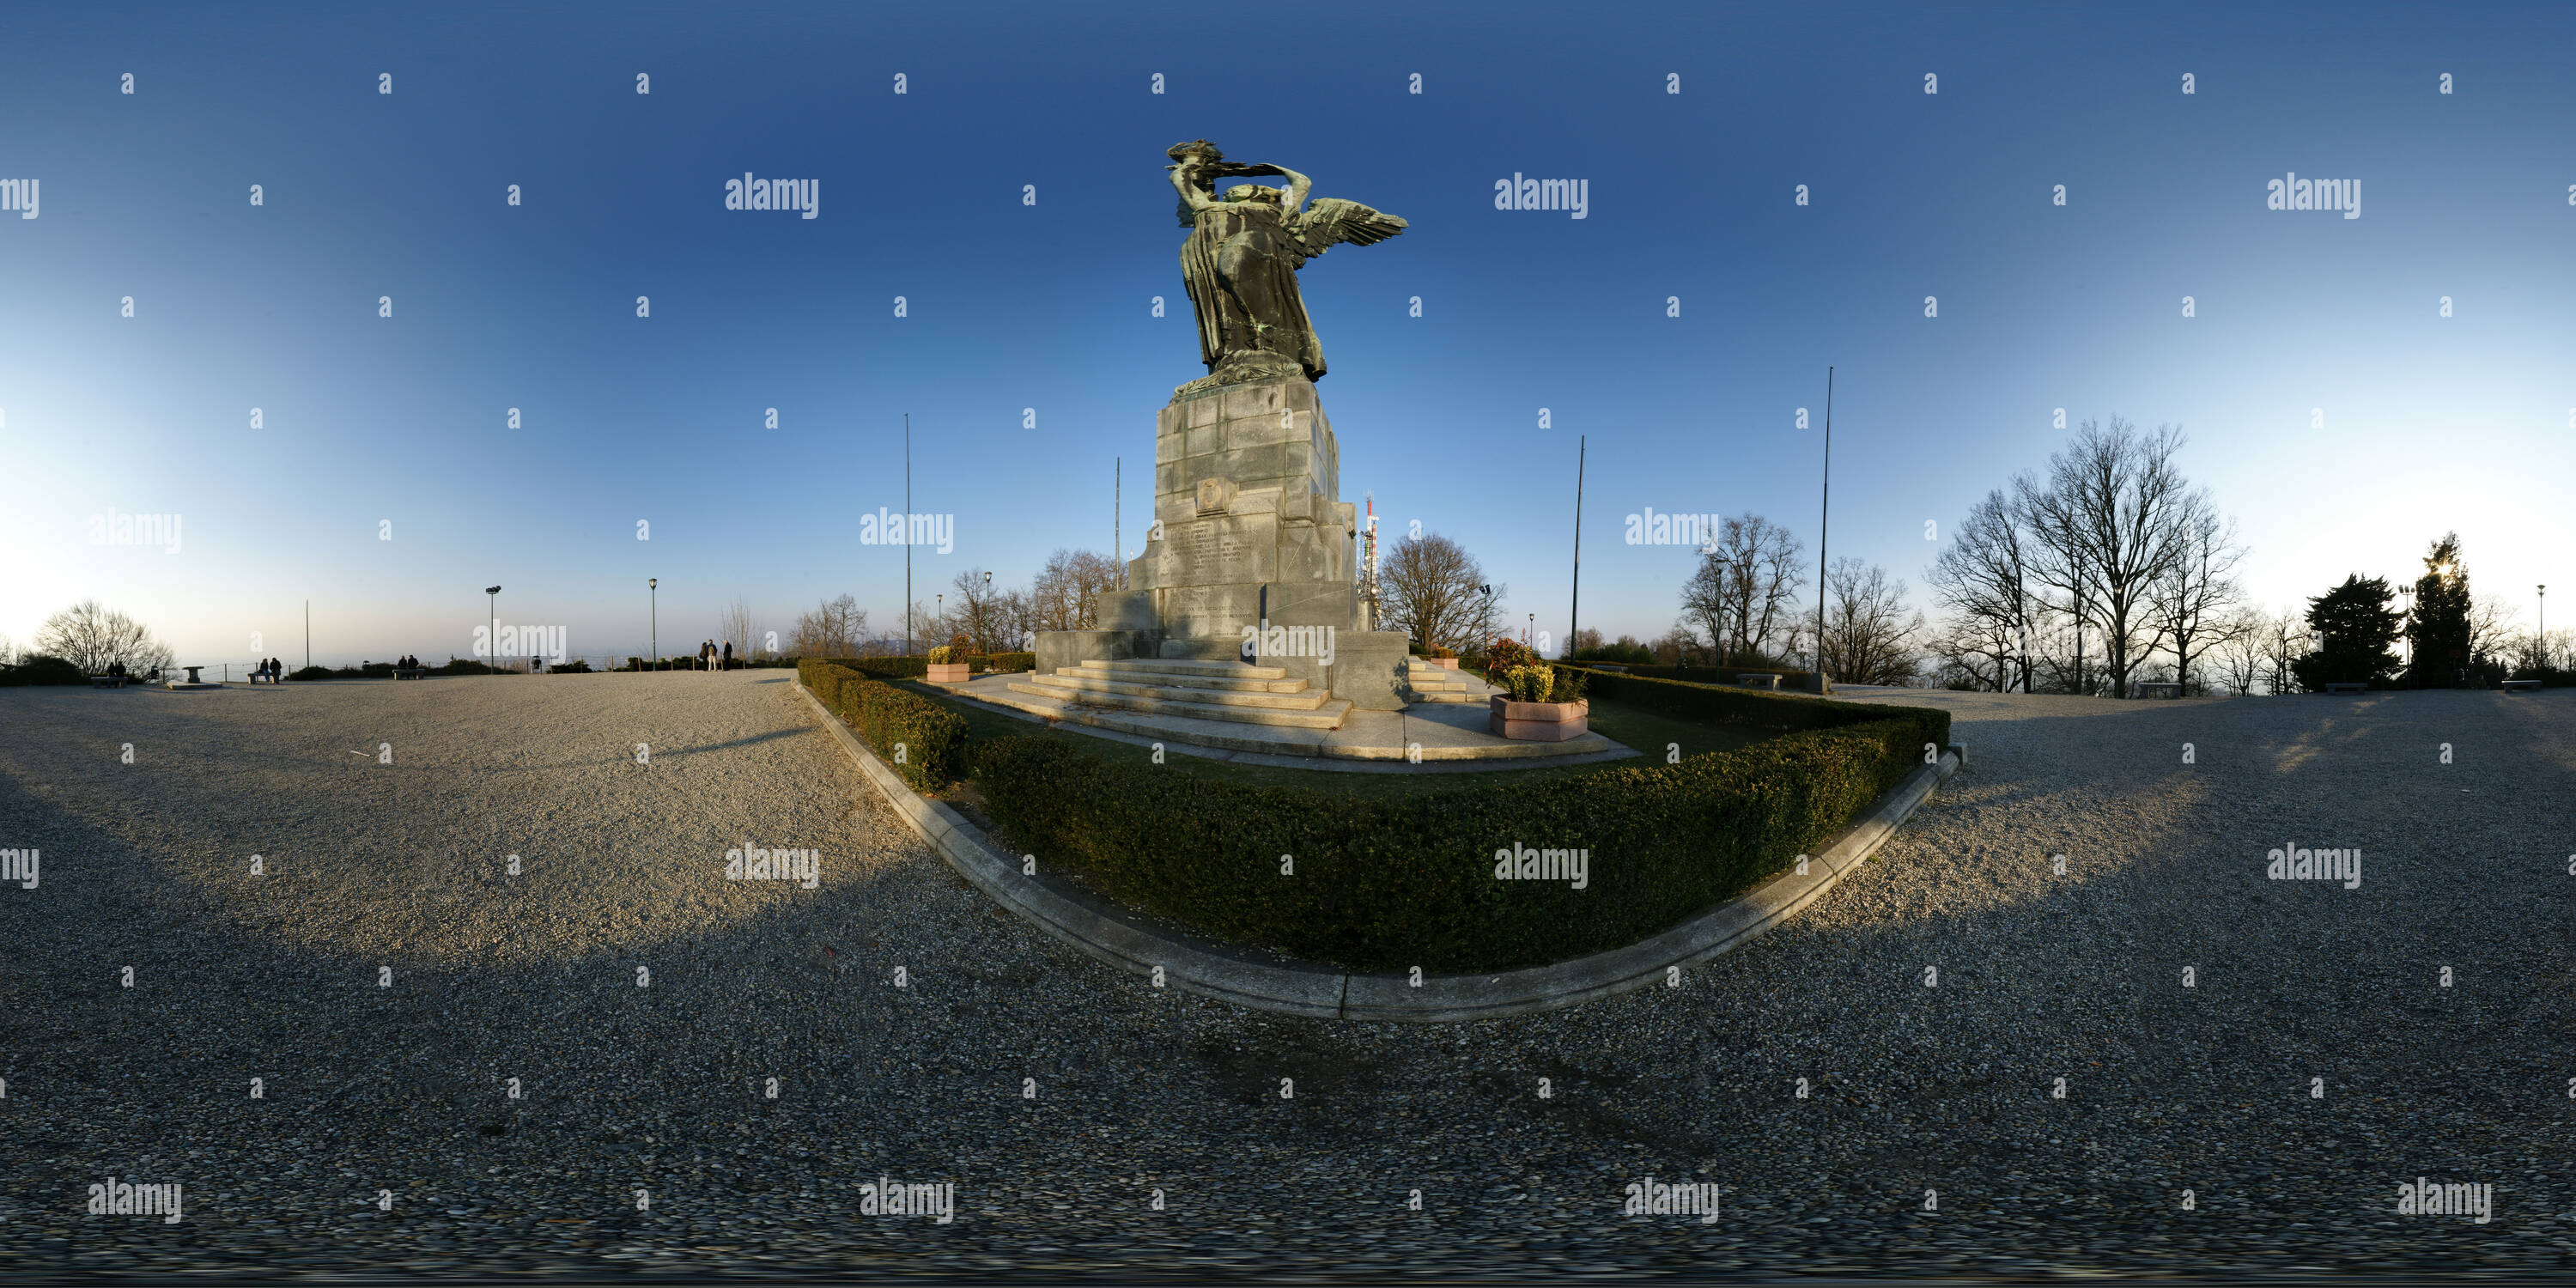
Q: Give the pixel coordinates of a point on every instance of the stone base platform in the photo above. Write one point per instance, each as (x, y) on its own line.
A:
(1448, 733)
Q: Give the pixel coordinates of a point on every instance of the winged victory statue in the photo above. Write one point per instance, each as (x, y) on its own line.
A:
(1241, 260)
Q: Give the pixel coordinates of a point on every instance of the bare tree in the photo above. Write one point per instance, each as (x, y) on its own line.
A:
(2107, 520)
(2490, 623)
(1969, 657)
(1984, 580)
(974, 604)
(94, 638)
(1748, 577)
(2189, 604)
(1869, 634)
(2238, 646)
(1066, 594)
(734, 626)
(1431, 589)
(834, 629)
(1011, 621)
(2283, 640)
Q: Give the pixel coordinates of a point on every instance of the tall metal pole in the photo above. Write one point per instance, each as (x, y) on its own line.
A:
(308, 635)
(653, 597)
(1824, 511)
(1572, 620)
(907, 534)
(1118, 516)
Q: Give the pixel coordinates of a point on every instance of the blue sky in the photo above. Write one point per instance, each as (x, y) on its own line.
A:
(2428, 423)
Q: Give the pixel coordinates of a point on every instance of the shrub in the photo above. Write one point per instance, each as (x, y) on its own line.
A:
(1439, 651)
(942, 655)
(1789, 679)
(1503, 655)
(1011, 661)
(882, 668)
(1626, 651)
(1568, 684)
(1385, 883)
(922, 740)
(1528, 683)
(577, 666)
(41, 668)
(312, 673)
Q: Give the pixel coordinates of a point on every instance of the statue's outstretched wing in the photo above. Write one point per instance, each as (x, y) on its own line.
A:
(1329, 221)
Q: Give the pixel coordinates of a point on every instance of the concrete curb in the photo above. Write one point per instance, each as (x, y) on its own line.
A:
(1125, 940)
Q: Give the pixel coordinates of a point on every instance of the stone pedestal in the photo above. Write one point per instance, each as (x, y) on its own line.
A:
(1249, 534)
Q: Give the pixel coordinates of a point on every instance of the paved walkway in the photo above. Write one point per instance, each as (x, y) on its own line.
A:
(1912, 1088)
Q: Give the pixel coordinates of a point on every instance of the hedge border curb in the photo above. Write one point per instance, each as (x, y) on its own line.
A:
(1122, 939)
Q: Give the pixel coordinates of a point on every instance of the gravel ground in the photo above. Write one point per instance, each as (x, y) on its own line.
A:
(1945, 1088)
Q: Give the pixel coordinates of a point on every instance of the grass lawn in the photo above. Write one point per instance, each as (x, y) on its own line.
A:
(1648, 732)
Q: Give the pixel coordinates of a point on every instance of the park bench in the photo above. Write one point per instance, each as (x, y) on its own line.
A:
(107, 682)
(257, 676)
(410, 672)
(2517, 686)
(2348, 687)
(1758, 681)
(2159, 689)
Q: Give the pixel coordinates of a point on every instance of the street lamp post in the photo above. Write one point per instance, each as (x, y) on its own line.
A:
(2543, 636)
(653, 597)
(492, 645)
(987, 608)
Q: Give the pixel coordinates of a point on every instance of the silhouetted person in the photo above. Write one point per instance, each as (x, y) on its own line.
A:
(728, 655)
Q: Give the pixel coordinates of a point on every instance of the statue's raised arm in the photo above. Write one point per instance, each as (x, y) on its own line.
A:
(1241, 260)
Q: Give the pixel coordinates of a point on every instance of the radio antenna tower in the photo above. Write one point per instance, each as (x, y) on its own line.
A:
(1368, 581)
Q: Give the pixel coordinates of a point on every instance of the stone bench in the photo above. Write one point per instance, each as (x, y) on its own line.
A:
(2348, 687)
(2159, 689)
(410, 672)
(257, 676)
(2517, 686)
(107, 682)
(1757, 681)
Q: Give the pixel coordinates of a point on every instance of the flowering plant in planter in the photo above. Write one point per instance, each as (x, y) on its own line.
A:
(1539, 704)
(947, 665)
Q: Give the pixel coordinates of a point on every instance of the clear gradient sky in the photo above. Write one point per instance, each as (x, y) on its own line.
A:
(2429, 423)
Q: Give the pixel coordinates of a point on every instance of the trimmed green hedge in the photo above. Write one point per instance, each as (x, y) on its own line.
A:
(1752, 708)
(923, 740)
(880, 668)
(1393, 882)
(1011, 661)
(1789, 680)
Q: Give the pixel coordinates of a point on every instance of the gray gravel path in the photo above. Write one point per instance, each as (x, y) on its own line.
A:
(664, 1088)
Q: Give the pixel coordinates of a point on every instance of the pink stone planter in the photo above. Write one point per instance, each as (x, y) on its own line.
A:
(1444, 663)
(949, 672)
(1537, 721)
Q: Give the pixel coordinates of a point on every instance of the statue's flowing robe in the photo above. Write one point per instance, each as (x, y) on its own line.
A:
(1240, 265)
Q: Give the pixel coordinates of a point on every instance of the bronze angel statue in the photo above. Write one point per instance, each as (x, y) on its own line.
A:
(1241, 260)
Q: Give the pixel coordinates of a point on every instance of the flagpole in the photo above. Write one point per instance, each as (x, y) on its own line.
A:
(1824, 512)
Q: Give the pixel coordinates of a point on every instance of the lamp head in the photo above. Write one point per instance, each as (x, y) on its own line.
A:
(491, 590)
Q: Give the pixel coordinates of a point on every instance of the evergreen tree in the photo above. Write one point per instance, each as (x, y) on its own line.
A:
(2354, 627)
(2437, 633)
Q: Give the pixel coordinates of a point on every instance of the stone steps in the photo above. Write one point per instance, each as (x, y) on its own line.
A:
(1191, 704)
(1187, 679)
(1440, 684)
(1189, 666)
(1307, 700)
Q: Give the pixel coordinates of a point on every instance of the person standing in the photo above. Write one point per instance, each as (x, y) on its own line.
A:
(728, 655)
